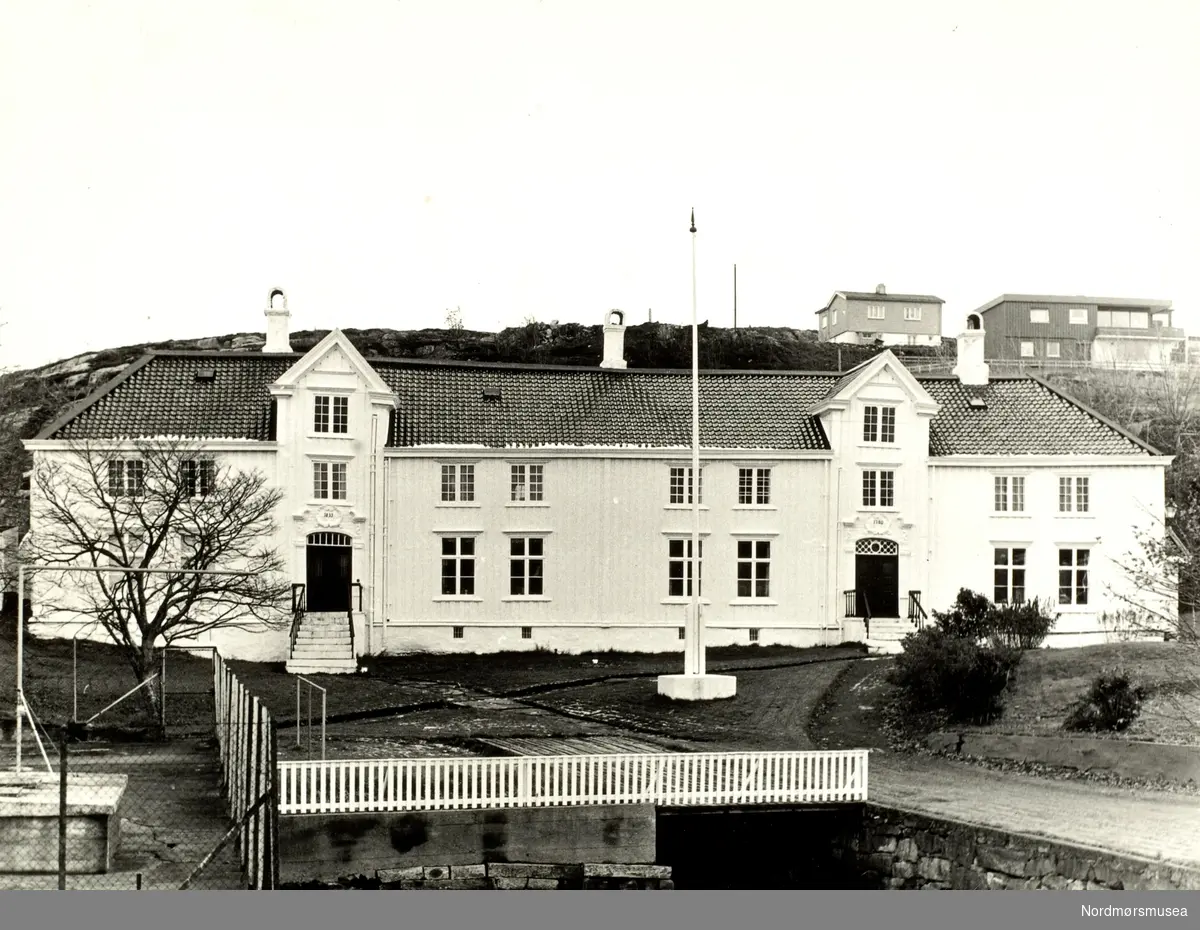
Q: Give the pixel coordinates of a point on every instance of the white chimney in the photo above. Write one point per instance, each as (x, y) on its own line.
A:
(277, 323)
(971, 367)
(614, 340)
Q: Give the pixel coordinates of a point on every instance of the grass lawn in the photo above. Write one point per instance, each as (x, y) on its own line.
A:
(1049, 681)
(103, 675)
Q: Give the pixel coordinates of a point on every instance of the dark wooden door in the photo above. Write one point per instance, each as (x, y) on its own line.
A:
(328, 578)
(877, 583)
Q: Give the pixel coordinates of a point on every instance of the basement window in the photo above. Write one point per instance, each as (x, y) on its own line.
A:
(526, 632)
(753, 636)
(683, 632)
(458, 632)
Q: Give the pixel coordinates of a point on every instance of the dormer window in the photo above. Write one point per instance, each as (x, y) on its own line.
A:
(879, 424)
(331, 414)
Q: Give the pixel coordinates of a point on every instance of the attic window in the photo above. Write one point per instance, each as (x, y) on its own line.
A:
(977, 403)
(491, 393)
(206, 374)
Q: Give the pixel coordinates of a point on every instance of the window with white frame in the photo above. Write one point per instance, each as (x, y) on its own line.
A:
(753, 568)
(1009, 493)
(1078, 315)
(1026, 350)
(1008, 581)
(197, 477)
(824, 321)
(1074, 494)
(527, 483)
(458, 566)
(878, 488)
(679, 568)
(126, 477)
(1053, 350)
(876, 311)
(754, 486)
(458, 483)
(912, 314)
(879, 424)
(1073, 579)
(681, 485)
(526, 566)
(1139, 319)
(329, 481)
(1039, 315)
(331, 414)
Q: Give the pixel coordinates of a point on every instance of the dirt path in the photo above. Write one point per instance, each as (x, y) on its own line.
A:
(1143, 823)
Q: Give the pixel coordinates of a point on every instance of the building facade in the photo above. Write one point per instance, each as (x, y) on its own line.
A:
(481, 507)
(1102, 331)
(887, 319)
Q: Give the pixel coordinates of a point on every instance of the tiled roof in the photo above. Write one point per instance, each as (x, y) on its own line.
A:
(159, 395)
(446, 404)
(1022, 416)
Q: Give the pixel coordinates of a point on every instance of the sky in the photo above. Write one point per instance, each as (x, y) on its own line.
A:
(164, 166)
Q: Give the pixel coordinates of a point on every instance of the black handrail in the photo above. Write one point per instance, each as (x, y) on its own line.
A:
(350, 613)
(867, 615)
(916, 613)
(298, 605)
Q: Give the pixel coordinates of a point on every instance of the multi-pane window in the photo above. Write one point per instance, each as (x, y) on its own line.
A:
(679, 568)
(1009, 496)
(754, 486)
(126, 477)
(198, 477)
(458, 566)
(1073, 495)
(879, 488)
(876, 312)
(912, 313)
(329, 481)
(1008, 576)
(525, 566)
(458, 483)
(681, 485)
(331, 414)
(528, 482)
(1079, 315)
(754, 568)
(1073, 576)
(879, 424)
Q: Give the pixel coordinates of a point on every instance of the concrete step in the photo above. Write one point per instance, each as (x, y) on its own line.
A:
(884, 647)
(305, 668)
(318, 652)
(311, 636)
(322, 664)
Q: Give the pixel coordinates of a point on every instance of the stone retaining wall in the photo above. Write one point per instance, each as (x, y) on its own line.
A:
(532, 876)
(900, 849)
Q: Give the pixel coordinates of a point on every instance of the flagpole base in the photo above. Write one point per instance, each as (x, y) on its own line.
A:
(697, 687)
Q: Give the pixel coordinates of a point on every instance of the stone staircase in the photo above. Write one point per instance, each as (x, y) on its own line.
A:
(323, 646)
(887, 633)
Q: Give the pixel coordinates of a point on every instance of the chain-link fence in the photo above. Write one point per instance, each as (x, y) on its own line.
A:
(125, 811)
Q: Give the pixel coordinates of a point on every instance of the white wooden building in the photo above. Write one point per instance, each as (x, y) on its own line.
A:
(479, 507)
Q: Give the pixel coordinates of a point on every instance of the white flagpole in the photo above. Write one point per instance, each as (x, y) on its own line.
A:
(695, 651)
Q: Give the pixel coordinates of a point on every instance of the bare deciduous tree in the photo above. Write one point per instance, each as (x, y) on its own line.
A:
(161, 504)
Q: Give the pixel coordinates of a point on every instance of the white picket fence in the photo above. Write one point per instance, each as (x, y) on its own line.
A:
(665, 779)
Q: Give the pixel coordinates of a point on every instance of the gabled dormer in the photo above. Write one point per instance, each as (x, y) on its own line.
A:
(877, 408)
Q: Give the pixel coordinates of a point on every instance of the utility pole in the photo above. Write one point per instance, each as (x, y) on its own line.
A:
(735, 295)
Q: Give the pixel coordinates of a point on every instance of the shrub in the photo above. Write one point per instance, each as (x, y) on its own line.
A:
(1112, 703)
(1021, 626)
(953, 674)
(968, 618)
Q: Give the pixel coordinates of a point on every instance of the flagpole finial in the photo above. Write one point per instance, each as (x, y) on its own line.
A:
(693, 219)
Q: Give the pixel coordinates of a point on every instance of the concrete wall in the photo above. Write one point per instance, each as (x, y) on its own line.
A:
(898, 849)
(326, 847)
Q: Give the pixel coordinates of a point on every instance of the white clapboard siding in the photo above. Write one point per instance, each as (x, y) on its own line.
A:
(666, 779)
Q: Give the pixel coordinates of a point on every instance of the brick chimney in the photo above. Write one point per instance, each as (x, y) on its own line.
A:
(614, 340)
(971, 367)
(277, 323)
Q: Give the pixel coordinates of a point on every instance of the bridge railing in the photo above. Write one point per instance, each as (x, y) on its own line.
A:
(664, 779)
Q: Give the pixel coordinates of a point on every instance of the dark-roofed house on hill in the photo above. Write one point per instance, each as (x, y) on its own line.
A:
(483, 507)
(860, 318)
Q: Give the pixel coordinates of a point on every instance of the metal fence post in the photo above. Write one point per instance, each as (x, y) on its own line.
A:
(62, 810)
